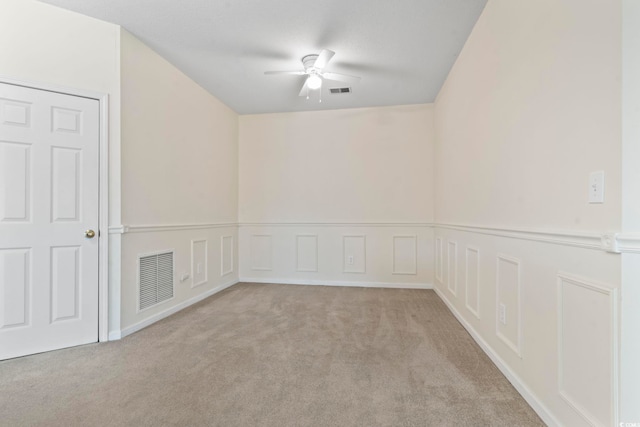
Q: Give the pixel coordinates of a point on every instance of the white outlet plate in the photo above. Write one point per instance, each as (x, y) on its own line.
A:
(350, 260)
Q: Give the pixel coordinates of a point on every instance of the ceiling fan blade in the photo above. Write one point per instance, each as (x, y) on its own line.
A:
(324, 58)
(305, 89)
(293, 73)
(345, 78)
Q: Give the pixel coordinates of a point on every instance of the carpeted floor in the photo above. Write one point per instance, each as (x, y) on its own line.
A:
(274, 355)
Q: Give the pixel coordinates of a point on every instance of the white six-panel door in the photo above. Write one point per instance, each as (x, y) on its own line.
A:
(48, 201)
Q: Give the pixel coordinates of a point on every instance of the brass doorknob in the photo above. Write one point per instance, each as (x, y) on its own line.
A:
(89, 234)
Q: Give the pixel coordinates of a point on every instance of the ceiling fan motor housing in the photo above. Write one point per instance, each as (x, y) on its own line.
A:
(308, 61)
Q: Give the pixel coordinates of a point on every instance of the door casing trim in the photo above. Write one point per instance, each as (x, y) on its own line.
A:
(103, 189)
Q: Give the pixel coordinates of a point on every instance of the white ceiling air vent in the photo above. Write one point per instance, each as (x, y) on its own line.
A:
(340, 90)
(155, 278)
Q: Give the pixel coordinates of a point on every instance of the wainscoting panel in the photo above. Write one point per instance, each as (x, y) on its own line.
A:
(261, 252)
(452, 267)
(508, 300)
(394, 255)
(587, 348)
(226, 255)
(197, 257)
(307, 253)
(438, 259)
(405, 255)
(472, 280)
(199, 262)
(354, 254)
(558, 343)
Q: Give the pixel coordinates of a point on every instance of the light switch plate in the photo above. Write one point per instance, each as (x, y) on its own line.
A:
(596, 187)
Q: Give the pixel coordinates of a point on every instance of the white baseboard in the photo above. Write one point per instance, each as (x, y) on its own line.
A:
(514, 379)
(168, 312)
(362, 284)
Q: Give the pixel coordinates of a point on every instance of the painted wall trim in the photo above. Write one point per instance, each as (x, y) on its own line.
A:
(344, 253)
(604, 241)
(335, 224)
(537, 405)
(358, 284)
(224, 272)
(168, 312)
(306, 270)
(453, 289)
(515, 346)
(473, 310)
(193, 262)
(628, 242)
(612, 294)
(438, 260)
(411, 272)
(152, 228)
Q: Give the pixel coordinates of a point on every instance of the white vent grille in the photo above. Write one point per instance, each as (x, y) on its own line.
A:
(336, 90)
(156, 279)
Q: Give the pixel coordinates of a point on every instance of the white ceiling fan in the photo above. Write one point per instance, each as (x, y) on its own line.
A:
(314, 66)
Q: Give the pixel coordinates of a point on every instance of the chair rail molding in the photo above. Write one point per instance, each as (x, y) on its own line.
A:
(613, 242)
(628, 242)
(336, 224)
(151, 228)
(598, 240)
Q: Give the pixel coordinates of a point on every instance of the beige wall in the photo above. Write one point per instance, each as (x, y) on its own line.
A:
(357, 165)
(46, 44)
(179, 155)
(338, 197)
(531, 107)
(179, 168)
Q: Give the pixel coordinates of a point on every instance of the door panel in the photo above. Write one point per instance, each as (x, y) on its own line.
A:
(15, 188)
(65, 283)
(14, 287)
(65, 183)
(48, 199)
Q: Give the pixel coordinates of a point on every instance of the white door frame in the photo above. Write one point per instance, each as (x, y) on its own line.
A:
(103, 189)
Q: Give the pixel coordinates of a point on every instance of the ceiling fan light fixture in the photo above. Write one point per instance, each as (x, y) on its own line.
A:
(314, 82)
(314, 70)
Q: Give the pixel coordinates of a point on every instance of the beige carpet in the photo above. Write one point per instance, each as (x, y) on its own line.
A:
(274, 355)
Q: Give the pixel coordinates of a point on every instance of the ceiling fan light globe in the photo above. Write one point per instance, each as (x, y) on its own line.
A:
(314, 82)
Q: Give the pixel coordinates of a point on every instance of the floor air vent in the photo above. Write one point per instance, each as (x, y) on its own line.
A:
(156, 279)
(340, 90)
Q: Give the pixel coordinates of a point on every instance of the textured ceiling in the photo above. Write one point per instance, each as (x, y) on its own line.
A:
(402, 49)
